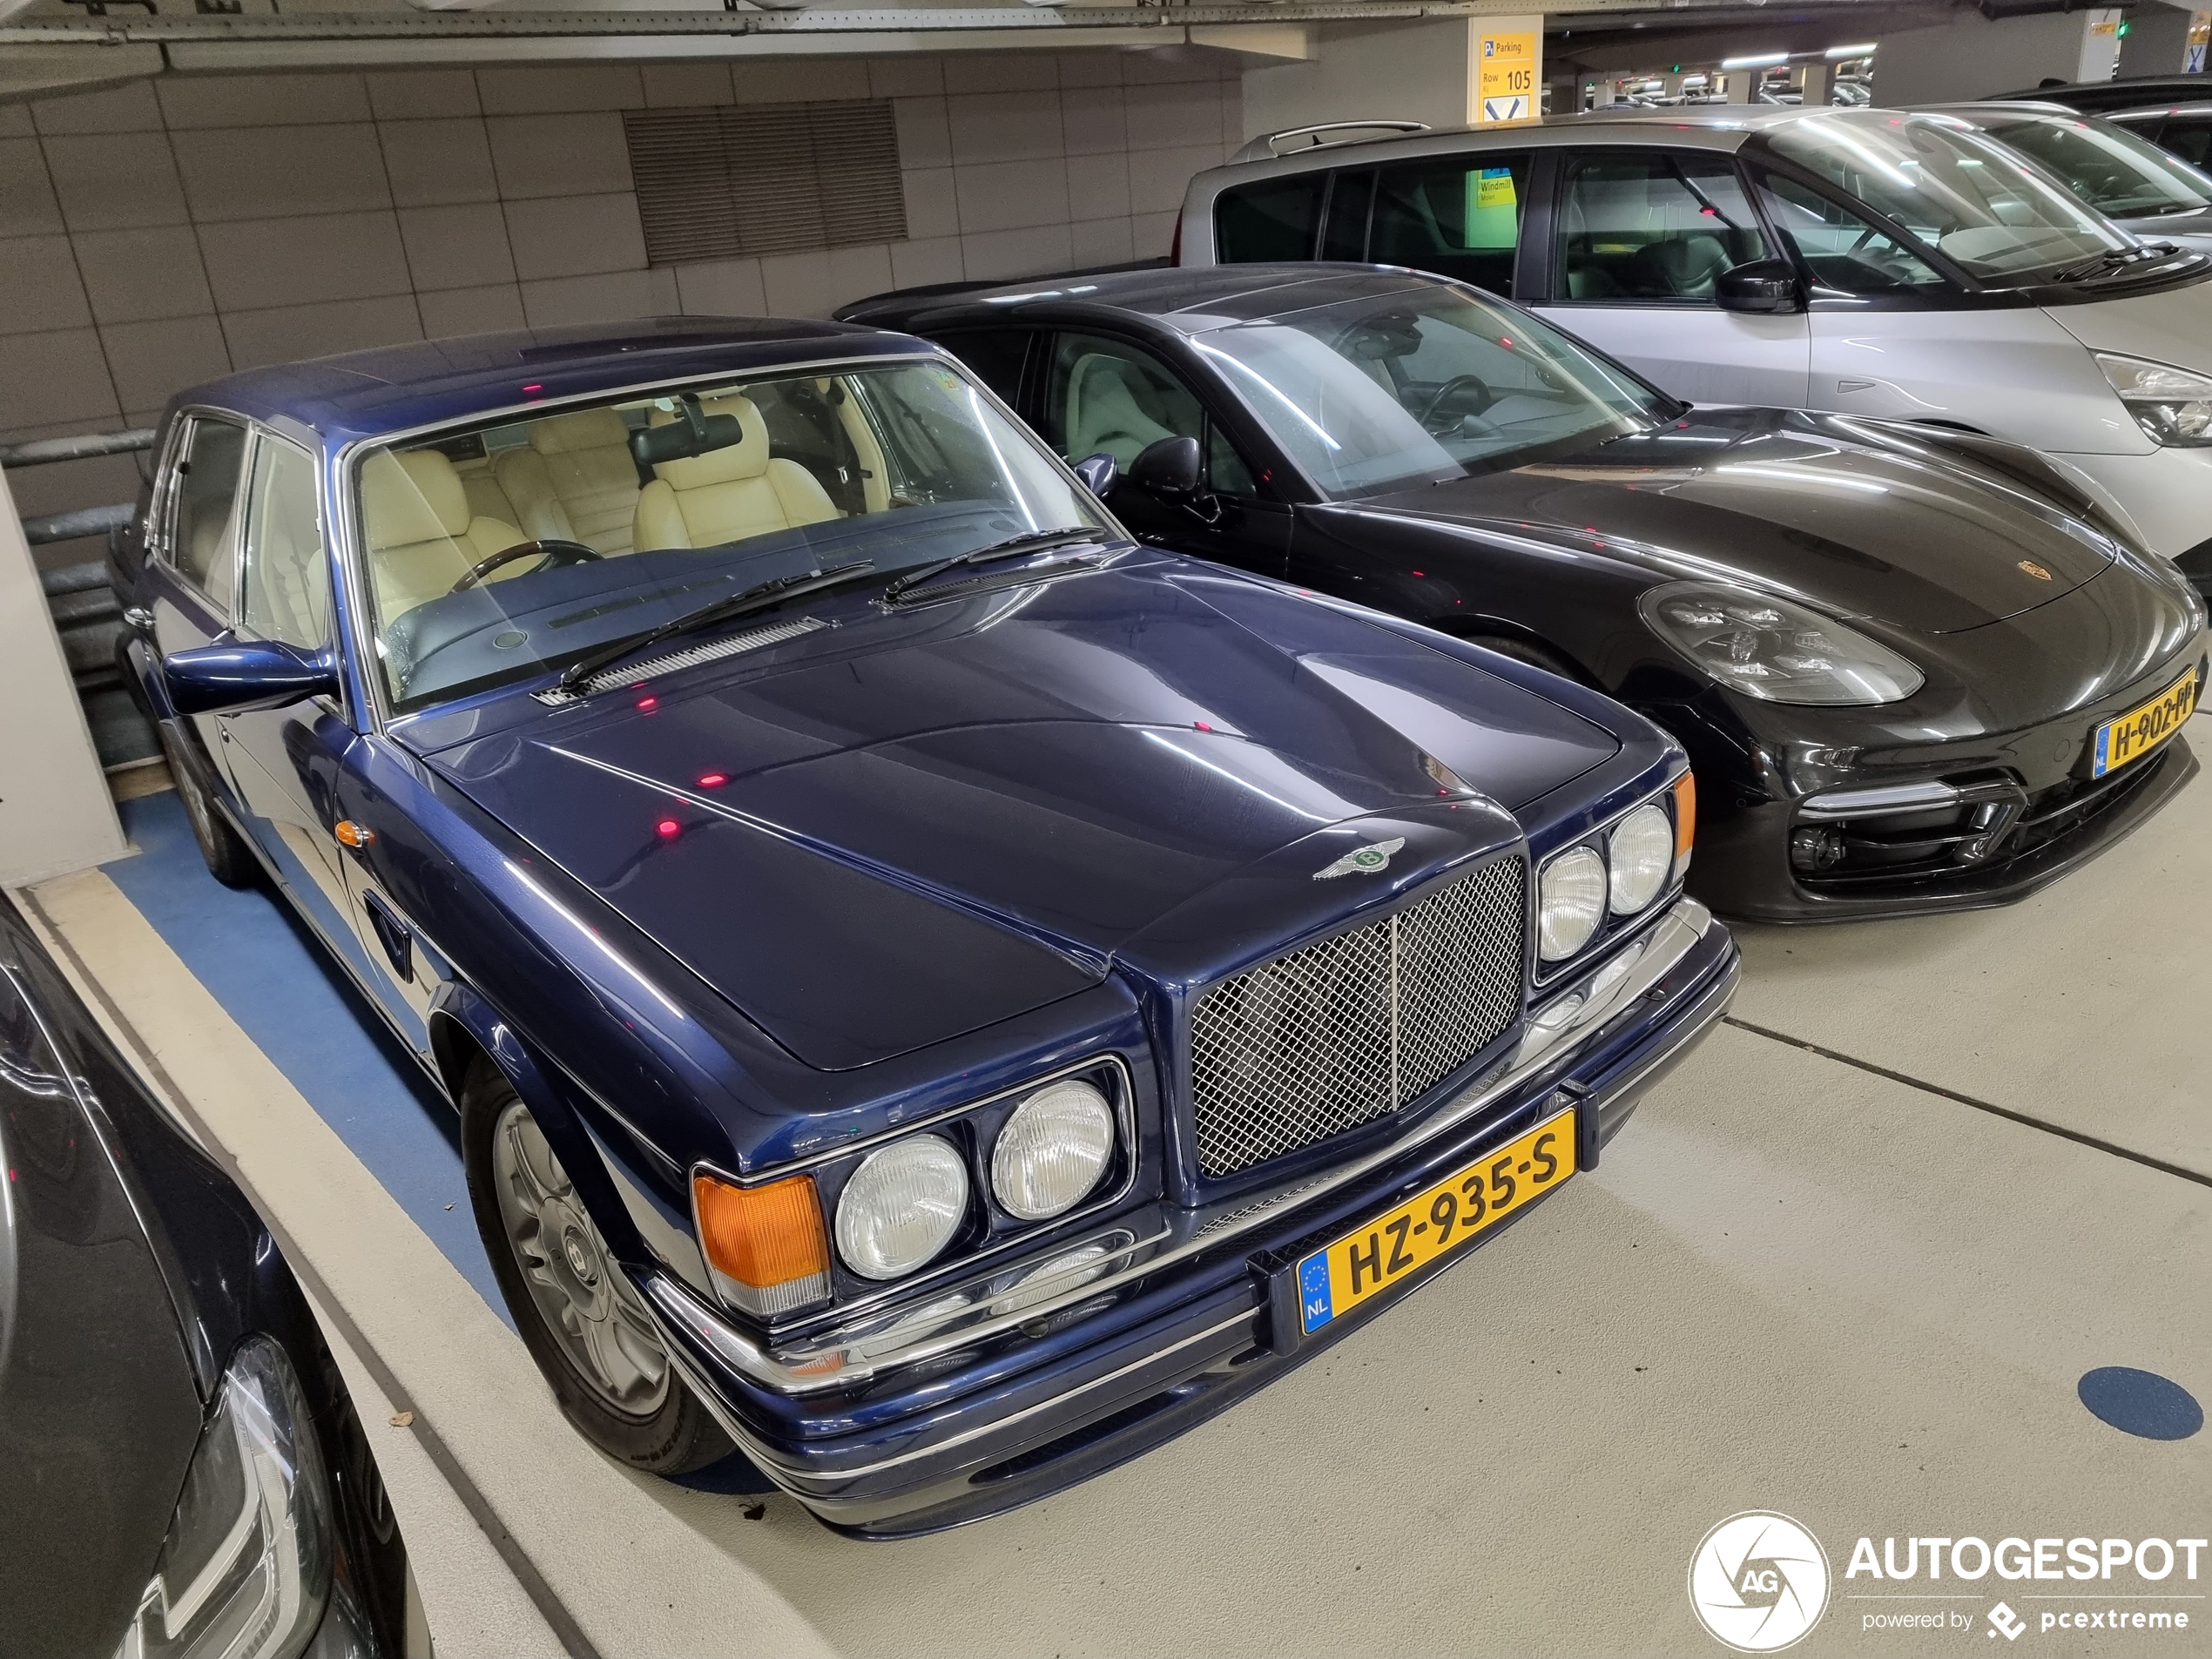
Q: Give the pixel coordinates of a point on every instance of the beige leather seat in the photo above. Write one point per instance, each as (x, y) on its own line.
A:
(1107, 412)
(727, 494)
(422, 534)
(576, 480)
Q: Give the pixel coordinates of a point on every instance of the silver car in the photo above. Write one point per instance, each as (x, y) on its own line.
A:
(1870, 261)
(2117, 170)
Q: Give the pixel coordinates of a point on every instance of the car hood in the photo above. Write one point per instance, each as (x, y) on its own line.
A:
(2173, 326)
(914, 823)
(1851, 519)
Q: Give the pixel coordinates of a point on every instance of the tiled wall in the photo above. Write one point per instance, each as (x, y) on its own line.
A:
(156, 235)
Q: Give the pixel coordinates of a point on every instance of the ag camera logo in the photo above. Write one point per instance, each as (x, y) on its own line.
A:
(1759, 1582)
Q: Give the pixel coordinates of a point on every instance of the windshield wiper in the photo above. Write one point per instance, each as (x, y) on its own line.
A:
(759, 596)
(1029, 541)
(2114, 259)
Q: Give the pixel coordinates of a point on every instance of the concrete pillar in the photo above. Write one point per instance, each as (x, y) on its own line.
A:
(56, 814)
(2157, 42)
(1736, 85)
(1566, 92)
(1819, 79)
(1431, 70)
(1971, 56)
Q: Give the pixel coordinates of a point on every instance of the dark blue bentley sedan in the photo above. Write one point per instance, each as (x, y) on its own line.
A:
(938, 995)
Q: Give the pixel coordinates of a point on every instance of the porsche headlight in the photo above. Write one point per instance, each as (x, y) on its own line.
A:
(2173, 406)
(1571, 903)
(245, 1571)
(1775, 650)
(1052, 1151)
(903, 1206)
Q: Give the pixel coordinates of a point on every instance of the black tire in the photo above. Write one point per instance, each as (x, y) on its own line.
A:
(229, 860)
(1535, 656)
(675, 1434)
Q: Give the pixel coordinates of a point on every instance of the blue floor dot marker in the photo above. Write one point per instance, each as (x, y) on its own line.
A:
(2140, 1403)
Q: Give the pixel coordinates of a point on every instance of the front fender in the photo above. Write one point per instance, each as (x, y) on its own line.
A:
(466, 1032)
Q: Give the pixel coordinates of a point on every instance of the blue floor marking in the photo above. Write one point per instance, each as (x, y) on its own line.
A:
(2140, 1403)
(280, 984)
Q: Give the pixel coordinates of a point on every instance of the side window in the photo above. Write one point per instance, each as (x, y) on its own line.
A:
(1458, 217)
(1653, 225)
(2188, 136)
(995, 354)
(1104, 397)
(284, 581)
(205, 501)
(1842, 250)
(1275, 219)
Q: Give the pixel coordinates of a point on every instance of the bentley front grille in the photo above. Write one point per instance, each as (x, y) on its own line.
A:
(1328, 1038)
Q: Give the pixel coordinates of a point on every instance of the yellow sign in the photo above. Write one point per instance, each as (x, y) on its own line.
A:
(1505, 78)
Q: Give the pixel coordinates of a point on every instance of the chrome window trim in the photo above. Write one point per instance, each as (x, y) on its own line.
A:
(1601, 832)
(344, 518)
(186, 420)
(932, 1275)
(1683, 926)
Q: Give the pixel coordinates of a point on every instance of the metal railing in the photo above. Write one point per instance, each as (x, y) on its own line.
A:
(86, 614)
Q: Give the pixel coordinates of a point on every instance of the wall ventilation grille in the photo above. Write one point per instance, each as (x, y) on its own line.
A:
(722, 184)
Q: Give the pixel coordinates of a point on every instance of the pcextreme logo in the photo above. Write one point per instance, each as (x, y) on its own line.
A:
(1759, 1582)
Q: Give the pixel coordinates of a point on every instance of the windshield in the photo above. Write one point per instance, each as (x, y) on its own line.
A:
(2114, 170)
(1430, 383)
(1960, 192)
(499, 552)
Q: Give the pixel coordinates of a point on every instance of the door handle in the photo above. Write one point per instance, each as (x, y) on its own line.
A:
(139, 620)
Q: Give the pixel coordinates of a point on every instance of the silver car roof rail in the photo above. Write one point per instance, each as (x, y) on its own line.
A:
(1269, 144)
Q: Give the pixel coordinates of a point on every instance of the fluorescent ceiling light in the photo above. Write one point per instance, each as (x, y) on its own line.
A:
(1757, 60)
(1865, 49)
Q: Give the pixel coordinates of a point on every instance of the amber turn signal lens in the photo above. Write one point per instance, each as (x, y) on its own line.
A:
(1685, 820)
(761, 1236)
(352, 834)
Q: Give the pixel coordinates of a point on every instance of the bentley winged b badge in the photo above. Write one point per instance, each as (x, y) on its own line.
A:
(1370, 860)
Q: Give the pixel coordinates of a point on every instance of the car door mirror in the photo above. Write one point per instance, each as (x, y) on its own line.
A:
(237, 675)
(1768, 286)
(1099, 473)
(1170, 468)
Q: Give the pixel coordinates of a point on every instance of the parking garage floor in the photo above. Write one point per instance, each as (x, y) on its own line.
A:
(1848, 1264)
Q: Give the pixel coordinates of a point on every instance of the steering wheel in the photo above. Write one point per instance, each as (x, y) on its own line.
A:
(551, 553)
(1450, 389)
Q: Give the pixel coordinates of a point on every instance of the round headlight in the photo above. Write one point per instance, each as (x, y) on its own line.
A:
(1642, 853)
(902, 1205)
(1052, 1151)
(1571, 903)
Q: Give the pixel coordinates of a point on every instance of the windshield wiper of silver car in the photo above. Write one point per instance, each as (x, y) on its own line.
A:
(759, 596)
(2113, 259)
(1029, 542)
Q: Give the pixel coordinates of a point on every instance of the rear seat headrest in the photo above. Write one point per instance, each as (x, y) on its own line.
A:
(554, 435)
(413, 496)
(709, 441)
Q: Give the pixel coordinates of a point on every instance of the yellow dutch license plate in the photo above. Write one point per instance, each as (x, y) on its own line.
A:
(2135, 733)
(1455, 1213)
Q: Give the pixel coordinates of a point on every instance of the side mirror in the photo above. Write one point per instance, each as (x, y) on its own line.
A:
(1099, 473)
(1168, 468)
(236, 675)
(1768, 286)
